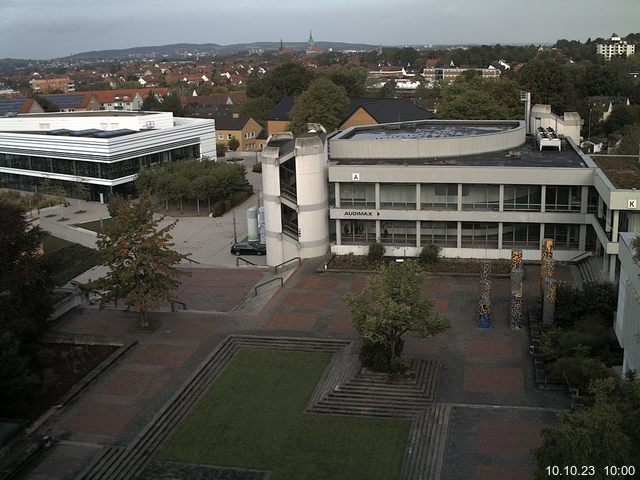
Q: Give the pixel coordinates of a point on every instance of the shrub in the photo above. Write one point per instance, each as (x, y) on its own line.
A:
(580, 371)
(221, 149)
(218, 209)
(430, 254)
(376, 252)
(233, 144)
(257, 168)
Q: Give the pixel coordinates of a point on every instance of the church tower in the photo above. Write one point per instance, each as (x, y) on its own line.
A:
(312, 45)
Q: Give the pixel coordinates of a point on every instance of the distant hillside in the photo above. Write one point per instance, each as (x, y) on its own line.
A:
(209, 48)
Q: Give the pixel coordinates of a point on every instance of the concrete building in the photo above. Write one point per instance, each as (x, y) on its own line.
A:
(102, 149)
(476, 188)
(627, 322)
(44, 85)
(450, 73)
(615, 47)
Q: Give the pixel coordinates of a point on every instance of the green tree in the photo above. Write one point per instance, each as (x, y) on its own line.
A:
(606, 433)
(393, 304)
(221, 149)
(323, 102)
(631, 141)
(548, 83)
(352, 79)
(257, 108)
(287, 79)
(233, 144)
(150, 103)
(471, 97)
(25, 284)
(388, 90)
(142, 265)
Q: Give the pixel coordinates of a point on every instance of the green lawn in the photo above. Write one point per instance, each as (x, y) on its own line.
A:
(67, 260)
(253, 417)
(94, 225)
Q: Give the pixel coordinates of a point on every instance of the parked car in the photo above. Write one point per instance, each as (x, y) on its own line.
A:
(248, 248)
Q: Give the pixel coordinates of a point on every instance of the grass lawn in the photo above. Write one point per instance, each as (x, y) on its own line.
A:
(253, 417)
(94, 225)
(67, 260)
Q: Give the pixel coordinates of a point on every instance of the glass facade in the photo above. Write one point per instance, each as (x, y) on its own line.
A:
(480, 197)
(358, 232)
(401, 196)
(443, 234)
(439, 196)
(522, 198)
(362, 195)
(398, 233)
(521, 235)
(565, 237)
(479, 235)
(563, 199)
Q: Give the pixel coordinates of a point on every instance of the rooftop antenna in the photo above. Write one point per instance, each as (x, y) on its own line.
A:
(526, 98)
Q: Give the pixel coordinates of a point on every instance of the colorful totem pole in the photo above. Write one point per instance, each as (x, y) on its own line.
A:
(484, 305)
(547, 284)
(517, 291)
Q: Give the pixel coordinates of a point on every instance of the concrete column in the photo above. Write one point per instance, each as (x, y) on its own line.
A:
(600, 203)
(605, 260)
(377, 197)
(337, 194)
(459, 234)
(501, 198)
(584, 199)
(614, 227)
(500, 226)
(338, 232)
(608, 221)
(543, 198)
(612, 268)
(582, 238)
(459, 199)
(418, 239)
(541, 236)
(377, 229)
(418, 197)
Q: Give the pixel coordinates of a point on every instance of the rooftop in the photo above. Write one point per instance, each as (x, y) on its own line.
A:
(526, 155)
(96, 113)
(426, 130)
(622, 171)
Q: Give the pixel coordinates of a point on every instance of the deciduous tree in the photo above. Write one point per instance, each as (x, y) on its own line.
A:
(137, 252)
(393, 304)
(323, 102)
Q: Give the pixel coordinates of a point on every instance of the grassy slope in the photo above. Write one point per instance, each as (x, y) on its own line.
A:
(253, 417)
(67, 260)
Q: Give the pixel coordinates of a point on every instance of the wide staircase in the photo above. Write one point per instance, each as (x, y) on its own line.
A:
(588, 270)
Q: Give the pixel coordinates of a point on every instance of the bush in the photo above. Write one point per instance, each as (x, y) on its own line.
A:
(430, 254)
(218, 209)
(221, 149)
(376, 252)
(257, 168)
(580, 371)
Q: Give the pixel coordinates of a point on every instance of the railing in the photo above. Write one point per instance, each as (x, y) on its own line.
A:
(255, 290)
(580, 257)
(173, 305)
(192, 261)
(238, 259)
(275, 269)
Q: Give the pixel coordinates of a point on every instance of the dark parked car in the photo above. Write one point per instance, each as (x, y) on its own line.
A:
(248, 248)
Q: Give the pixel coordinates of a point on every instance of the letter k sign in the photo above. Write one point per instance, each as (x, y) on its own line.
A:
(632, 204)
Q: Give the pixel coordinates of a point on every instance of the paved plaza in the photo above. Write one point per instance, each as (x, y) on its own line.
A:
(486, 377)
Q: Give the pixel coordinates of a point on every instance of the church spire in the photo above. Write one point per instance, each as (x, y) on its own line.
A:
(281, 46)
(311, 44)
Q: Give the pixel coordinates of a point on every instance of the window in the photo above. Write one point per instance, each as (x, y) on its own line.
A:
(439, 196)
(565, 237)
(521, 235)
(357, 195)
(220, 137)
(358, 232)
(398, 196)
(522, 197)
(480, 197)
(479, 235)
(229, 136)
(443, 234)
(563, 199)
(398, 233)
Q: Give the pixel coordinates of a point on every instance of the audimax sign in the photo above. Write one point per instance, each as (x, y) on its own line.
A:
(361, 213)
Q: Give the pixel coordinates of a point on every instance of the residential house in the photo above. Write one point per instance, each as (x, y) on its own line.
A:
(43, 85)
(212, 106)
(245, 129)
(601, 107)
(19, 105)
(615, 47)
(74, 102)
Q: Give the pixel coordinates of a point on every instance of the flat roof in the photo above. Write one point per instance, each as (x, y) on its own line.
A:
(427, 130)
(92, 113)
(622, 171)
(526, 155)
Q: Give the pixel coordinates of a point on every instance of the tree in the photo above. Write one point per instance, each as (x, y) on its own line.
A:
(323, 102)
(288, 79)
(607, 433)
(352, 79)
(25, 284)
(221, 149)
(257, 108)
(548, 83)
(392, 304)
(388, 90)
(631, 141)
(233, 144)
(138, 254)
(150, 103)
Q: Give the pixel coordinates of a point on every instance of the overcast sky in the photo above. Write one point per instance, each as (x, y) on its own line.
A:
(54, 28)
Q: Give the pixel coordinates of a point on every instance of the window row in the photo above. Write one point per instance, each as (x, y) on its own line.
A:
(403, 196)
(472, 234)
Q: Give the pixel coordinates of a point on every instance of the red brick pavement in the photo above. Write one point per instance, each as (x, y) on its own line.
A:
(503, 472)
(100, 418)
(300, 321)
(320, 282)
(306, 300)
(129, 383)
(111, 323)
(183, 328)
(495, 347)
(438, 286)
(164, 355)
(508, 438)
(493, 380)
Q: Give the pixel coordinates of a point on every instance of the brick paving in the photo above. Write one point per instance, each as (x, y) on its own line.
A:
(486, 375)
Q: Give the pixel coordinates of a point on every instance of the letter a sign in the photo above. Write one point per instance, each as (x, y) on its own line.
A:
(355, 177)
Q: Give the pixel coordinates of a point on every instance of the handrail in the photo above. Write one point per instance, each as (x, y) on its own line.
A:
(275, 269)
(192, 261)
(586, 254)
(173, 305)
(245, 261)
(255, 290)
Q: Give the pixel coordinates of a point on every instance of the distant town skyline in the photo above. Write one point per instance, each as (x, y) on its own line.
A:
(41, 29)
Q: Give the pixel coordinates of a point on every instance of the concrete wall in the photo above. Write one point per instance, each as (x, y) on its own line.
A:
(627, 320)
(568, 125)
(80, 121)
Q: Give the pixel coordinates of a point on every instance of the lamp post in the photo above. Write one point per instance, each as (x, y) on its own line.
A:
(589, 124)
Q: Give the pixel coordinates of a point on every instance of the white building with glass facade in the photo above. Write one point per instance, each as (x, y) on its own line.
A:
(478, 189)
(103, 149)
